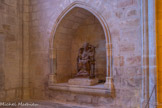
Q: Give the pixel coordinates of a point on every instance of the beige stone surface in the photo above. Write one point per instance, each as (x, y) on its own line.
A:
(83, 81)
(93, 90)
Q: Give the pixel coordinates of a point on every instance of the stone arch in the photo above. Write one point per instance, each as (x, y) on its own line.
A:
(104, 25)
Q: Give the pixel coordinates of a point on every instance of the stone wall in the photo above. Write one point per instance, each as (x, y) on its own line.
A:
(10, 49)
(123, 19)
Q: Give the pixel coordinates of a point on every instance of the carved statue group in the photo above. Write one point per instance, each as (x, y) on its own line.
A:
(86, 61)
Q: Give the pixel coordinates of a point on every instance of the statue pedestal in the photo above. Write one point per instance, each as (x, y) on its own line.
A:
(83, 81)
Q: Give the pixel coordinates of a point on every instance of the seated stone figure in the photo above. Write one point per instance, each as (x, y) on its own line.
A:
(86, 61)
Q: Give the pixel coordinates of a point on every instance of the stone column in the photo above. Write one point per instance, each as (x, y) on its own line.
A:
(109, 81)
(145, 53)
(25, 47)
(52, 58)
(152, 53)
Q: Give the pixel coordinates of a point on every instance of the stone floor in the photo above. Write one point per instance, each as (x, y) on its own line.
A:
(51, 104)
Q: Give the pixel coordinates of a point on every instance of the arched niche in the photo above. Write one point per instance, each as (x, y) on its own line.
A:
(66, 34)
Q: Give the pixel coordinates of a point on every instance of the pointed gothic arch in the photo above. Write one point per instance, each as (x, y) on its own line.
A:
(109, 71)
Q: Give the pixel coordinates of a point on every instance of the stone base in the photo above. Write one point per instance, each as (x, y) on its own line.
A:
(95, 90)
(83, 81)
(52, 79)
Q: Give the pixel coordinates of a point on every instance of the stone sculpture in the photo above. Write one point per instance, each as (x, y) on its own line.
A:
(86, 61)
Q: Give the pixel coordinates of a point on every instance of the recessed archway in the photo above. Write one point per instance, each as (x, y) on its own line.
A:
(87, 10)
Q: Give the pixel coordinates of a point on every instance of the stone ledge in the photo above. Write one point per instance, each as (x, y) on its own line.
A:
(98, 90)
(83, 81)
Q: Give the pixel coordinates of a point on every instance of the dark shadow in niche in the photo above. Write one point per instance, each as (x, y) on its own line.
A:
(79, 26)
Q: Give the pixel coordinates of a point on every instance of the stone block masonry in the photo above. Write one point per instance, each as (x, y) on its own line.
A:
(123, 19)
(25, 41)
